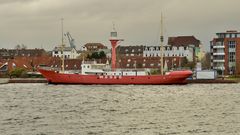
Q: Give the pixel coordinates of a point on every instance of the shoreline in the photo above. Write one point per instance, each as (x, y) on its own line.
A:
(43, 80)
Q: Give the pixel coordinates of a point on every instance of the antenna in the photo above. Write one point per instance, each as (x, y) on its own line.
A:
(62, 46)
(161, 41)
(114, 29)
(62, 29)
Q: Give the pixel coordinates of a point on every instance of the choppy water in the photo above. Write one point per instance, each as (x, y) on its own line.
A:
(40, 109)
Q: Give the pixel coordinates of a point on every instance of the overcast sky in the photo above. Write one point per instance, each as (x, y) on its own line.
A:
(36, 23)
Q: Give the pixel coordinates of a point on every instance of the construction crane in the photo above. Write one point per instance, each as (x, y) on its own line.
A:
(71, 40)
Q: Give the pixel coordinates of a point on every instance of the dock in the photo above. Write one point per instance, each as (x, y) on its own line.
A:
(27, 80)
(43, 80)
(206, 81)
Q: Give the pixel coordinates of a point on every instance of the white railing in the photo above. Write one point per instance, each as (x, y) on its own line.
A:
(218, 46)
(218, 60)
(219, 53)
(50, 68)
(219, 68)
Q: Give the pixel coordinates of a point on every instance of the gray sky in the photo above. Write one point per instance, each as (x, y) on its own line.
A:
(36, 23)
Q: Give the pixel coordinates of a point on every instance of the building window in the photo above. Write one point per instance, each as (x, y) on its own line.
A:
(129, 60)
(152, 64)
(219, 57)
(144, 64)
(227, 35)
(232, 56)
(128, 65)
(232, 44)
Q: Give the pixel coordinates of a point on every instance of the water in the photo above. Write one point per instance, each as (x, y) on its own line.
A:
(40, 109)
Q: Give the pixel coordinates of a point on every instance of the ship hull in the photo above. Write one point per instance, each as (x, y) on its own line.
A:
(174, 77)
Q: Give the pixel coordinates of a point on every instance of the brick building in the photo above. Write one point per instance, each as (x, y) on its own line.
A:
(93, 47)
(67, 52)
(225, 52)
(134, 57)
(192, 46)
(32, 63)
(11, 53)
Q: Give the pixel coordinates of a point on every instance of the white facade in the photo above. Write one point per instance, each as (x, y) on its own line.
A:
(169, 51)
(83, 48)
(67, 52)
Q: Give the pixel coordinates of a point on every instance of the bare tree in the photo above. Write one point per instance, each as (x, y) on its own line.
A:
(206, 61)
(19, 47)
(23, 46)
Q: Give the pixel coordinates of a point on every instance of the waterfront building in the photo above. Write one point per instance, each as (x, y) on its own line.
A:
(94, 47)
(11, 53)
(225, 52)
(67, 52)
(148, 57)
(32, 63)
(169, 51)
(188, 46)
(179, 51)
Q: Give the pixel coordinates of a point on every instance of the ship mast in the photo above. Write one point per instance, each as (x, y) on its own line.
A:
(62, 46)
(161, 43)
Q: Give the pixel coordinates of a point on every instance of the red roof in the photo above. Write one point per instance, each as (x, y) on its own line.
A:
(183, 41)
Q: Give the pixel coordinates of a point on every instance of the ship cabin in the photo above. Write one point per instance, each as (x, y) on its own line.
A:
(93, 68)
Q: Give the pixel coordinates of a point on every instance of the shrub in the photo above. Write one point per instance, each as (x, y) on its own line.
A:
(18, 72)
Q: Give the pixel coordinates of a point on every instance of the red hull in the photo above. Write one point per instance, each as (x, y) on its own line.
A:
(174, 77)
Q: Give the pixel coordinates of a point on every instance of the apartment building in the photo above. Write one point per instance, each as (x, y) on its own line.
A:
(225, 52)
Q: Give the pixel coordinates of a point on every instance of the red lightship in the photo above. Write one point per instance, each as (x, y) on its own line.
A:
(102, 74)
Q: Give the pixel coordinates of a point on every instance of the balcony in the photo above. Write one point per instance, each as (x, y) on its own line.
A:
(219, 53)
(219, 61)
(219, 68)
(218, 46)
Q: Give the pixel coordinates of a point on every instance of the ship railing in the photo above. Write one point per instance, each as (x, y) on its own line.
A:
(89, 62)
(50, 68)
(74, 71)
(124, 69)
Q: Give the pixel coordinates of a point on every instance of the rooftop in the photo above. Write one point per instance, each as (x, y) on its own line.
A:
(183, 41)
(229, 32)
